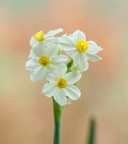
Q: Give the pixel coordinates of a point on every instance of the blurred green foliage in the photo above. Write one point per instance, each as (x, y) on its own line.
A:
(91, 136)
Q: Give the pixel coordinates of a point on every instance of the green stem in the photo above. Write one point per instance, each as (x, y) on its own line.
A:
(58, 111)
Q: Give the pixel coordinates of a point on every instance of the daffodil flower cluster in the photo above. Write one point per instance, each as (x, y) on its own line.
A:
(62, 72)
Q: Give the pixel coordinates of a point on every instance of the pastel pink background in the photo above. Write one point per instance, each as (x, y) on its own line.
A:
(26, 115)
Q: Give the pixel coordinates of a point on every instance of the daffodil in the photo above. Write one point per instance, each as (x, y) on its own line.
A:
(44, 62)
(44, 40)
(82, 51)
(41, 41)
(61, 85)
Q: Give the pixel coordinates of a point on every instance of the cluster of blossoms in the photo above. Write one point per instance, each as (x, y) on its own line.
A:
(62, 73)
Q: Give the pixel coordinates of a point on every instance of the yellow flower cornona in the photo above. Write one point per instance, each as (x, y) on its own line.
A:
(82, 46)
(44, 61)
(62, 83)
(39, 36)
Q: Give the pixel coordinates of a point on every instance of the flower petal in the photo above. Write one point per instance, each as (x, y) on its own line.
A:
(93, 47)
(53, 77)
(31, 65)
(38, 75)
(66, 43)
(72, 77)
(61, 69)
(56, 73)
(31, 54)
(50, 41)
(47, 51)
(38, 51)
(33, 42)
(60, 97)
(52, 51)
(53, 32)
(80, 61)
(49, 89)
(92, 57)
(72, 92)
(71, 53)
(78, 35)
(60, 59)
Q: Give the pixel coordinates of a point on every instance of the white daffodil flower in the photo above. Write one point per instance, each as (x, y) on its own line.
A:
(82, 51)
(41, 40)
(61, 85)
(44, 62)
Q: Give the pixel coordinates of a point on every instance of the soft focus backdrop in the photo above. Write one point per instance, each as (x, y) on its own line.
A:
(26, 115)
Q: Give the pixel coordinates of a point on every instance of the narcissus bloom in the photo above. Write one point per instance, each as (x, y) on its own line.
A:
(82, 51)
(44, 62)
(39, 39)
(61, 85)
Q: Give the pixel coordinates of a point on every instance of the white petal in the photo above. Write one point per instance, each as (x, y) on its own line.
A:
(66, 43)
(71, 53)
(53, 77)
(49, 89)
(38, 51)
(72, 77)
(93, 58)
(38, 75)
(78, 35)
(53, 32)
(33, 42)
(31, 55)
(31, 65)
(48, 52)
(52, 51)
(60, 59)
(61, 69)
(72, 92)
(56, 72)
(93, 48)
(50, 41)
(51, 69)
(60, 97)
(80, 61)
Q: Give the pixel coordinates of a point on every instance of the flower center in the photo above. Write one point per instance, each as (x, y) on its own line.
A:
(62, 83)
(82, 46)
(39, 36)
(44, 61)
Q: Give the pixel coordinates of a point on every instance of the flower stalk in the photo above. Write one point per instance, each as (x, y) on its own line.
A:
(58, 112)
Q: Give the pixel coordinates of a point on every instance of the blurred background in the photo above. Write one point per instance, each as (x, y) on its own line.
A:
(26, 115)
